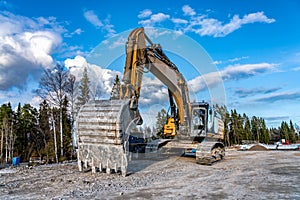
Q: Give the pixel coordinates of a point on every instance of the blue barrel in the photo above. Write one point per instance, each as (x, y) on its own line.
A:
(16, 161)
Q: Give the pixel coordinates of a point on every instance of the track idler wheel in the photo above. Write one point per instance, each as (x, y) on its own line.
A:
(209, 152)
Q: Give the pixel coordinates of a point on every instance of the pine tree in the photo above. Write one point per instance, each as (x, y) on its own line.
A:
(44, 128)
(28, 119)
(247, 128)
(240, 129)
(161, 119)
(84, 89)
(255, 128)
(264, 132)
(115, 92)
(234, 133)
(292, 132)
(225, 116)
(67, 130)
(19, 131)
(284, 131)
(226, 129)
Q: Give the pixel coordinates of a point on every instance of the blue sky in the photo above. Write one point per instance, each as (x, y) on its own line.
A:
(254, 45)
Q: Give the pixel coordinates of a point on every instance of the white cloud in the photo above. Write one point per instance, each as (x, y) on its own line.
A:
(213, 27)
(35, 101)
(202, 82)
(296, 69)
(179, 21)
(153, 92)
(256, 17)
(78, 31)
(187, 10)
(246, 70)
(155, 33)
(155, 18)
(238, 58)
(159, 17)
(201, 24)
(14, 24)
(91, 17)
(101, 79)
(280, 96)
(217, 62)
(109, 28)
(232, 72)
(145, 13)
(244, 92)
(26, 46)
(14, 96)
(231, 60)
(121, 41)
(77, 62)
(52, 23)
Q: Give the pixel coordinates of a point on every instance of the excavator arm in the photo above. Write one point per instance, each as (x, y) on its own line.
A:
(162, 68)
(138, 57)
(134, 64)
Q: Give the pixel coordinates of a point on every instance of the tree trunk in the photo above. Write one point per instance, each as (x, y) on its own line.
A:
(6, 146)
(54, 135)
(228, 139)
(2, 138)
(45, 147)
(61, 133)
(11, 142)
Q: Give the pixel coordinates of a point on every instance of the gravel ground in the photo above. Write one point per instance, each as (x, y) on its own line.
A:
(241, 175)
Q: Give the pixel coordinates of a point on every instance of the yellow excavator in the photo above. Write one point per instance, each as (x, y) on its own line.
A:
(103, 126)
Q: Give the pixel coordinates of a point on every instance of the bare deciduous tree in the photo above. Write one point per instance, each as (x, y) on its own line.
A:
(54, 87)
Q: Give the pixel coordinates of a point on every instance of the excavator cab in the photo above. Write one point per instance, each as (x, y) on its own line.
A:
(198, 122)
(205, 121)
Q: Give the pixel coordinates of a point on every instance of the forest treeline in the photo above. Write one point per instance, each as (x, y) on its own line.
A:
(29, 132)
(46, 132)
(240, 128)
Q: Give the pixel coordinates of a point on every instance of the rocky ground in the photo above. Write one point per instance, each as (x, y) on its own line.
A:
(241, 175)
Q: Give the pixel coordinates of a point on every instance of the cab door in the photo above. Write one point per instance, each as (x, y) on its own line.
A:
(198, 122)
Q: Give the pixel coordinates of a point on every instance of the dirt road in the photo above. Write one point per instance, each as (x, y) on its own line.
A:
(242, 175)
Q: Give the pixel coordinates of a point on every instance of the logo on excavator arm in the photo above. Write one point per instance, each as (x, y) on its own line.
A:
(170, 128)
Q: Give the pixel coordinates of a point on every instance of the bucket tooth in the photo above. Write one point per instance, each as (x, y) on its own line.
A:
(93, 166)
(80, 165)
(123, 171)
(100, 167)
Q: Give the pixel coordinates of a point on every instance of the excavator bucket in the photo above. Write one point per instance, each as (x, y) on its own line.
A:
(101, 135)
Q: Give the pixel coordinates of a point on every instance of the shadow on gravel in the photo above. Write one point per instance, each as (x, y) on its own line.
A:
(141, 161)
